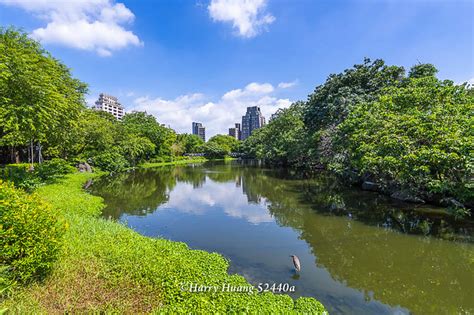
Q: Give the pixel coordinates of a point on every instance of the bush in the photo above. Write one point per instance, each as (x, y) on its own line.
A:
(53, 169)
(30, 235)
(110, 161)
(20, 176)
(213, 150)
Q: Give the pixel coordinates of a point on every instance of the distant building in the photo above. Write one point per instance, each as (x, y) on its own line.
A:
(199, 130)
(252, 120)
(109, 104)
(235, 132)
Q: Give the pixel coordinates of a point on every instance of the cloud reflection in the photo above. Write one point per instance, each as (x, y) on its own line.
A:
(212, 196)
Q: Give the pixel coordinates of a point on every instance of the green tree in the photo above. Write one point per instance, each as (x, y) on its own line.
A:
(228, 143)
(422, 70)
(332, 101)
(38, 95)
(418, 136)
(189, 143)
(213, 150)
(136, 148)
(282, 141)
(145, 125)
(94, 133)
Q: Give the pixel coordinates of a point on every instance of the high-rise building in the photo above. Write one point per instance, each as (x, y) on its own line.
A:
(235, 132)
(199, 130)
(109, 104)
(252, 120)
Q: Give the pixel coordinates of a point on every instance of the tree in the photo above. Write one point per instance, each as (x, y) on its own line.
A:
(282, 140)
(213, 150)
(417, 136)
(94, 133)
(228, 143)
(39, 97)
(422, 70)
(142, 124)
(136, 148)
(332, 101)
(189, 143)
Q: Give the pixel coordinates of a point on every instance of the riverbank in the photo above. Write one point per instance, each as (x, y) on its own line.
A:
(107, 267)
(180, 162)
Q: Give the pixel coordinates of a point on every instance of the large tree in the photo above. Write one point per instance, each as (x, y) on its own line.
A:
(188, 143)
(332, 101)
(418, 135)
(145, 125)
(38, 95)
(282, 141)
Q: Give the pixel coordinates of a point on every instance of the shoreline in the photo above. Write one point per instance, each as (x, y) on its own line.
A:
(180, 162)
(106, 266)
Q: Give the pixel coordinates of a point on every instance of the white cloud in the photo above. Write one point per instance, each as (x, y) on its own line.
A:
(248, 17)
(93, 25)
(251, 89)
(217, 116)
(286, 85)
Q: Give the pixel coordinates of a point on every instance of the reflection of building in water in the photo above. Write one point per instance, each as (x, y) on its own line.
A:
(238, 181)
(251, 197)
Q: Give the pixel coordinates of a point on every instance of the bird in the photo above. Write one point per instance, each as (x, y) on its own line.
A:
(296, 262)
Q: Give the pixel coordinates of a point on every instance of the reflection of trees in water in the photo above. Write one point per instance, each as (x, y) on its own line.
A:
(326, 195)
(379, 210)
(142, 191)
(135, 193)
(424, 274)
(191, 175)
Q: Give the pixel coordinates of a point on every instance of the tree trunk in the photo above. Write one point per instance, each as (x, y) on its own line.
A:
(32, 153)
(40, 156)
(16, 156)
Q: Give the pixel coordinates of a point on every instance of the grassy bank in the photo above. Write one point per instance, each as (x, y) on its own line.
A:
(178, 162)
(107, 267)
(187, 161)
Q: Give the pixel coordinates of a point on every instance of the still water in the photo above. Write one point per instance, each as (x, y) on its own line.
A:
(361, 253)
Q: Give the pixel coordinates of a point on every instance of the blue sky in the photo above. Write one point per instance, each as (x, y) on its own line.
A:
(206, 60)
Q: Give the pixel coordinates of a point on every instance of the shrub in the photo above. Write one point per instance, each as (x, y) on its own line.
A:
(20, 176)
(53, 168)
(30, 235)
(110, 161)
(213, 150)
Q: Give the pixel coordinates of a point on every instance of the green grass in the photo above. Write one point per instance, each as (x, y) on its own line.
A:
(186, 161)
(107, 267)
(178, 162)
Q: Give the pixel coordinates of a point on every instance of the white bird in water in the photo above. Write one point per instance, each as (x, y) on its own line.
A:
(296, 262)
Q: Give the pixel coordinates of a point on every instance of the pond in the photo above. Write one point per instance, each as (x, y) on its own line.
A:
(361, 252)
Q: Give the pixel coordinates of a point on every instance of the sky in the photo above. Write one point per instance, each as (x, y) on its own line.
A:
(207, 60)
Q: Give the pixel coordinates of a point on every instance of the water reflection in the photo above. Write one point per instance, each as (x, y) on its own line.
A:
(354, 258)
